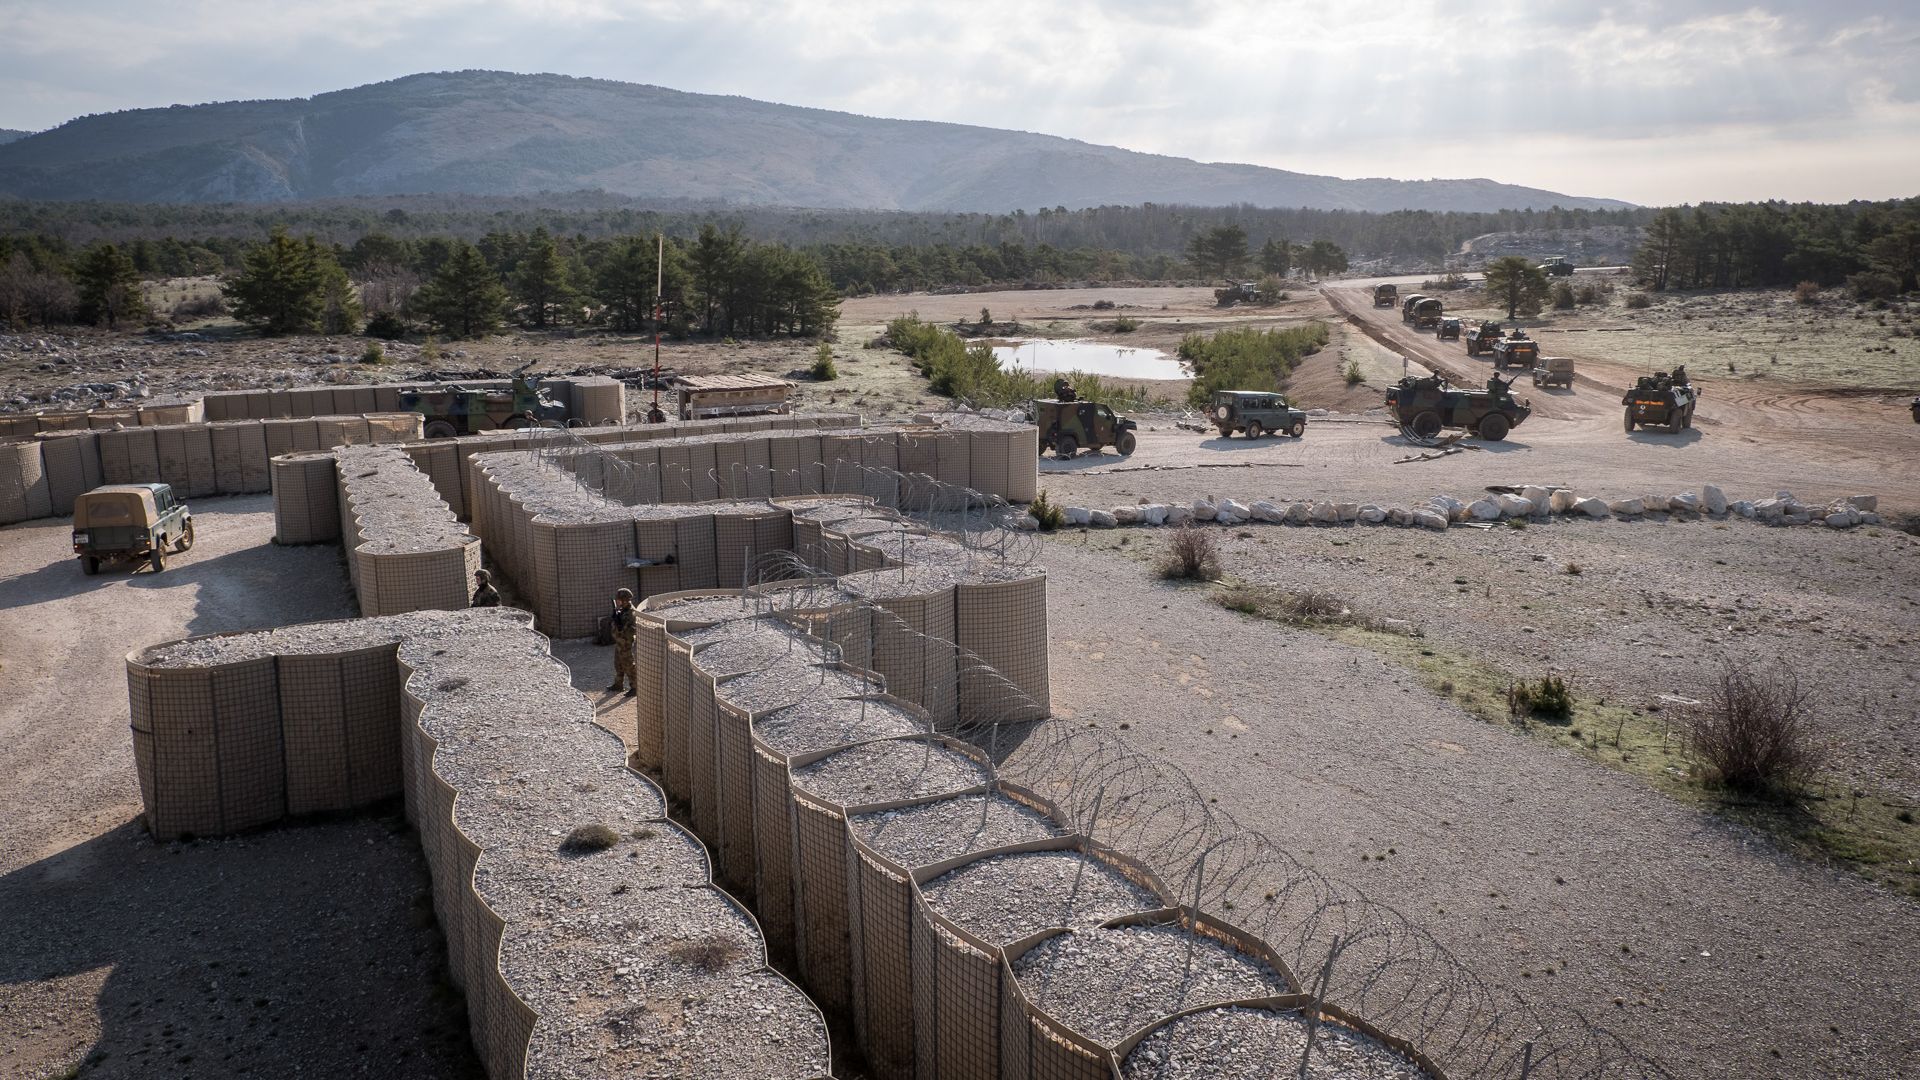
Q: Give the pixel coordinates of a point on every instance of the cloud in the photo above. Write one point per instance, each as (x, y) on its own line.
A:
(1567, 94)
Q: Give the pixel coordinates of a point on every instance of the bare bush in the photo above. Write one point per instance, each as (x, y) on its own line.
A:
(589, 838)
(203, 306)
(1755, 731)
(710, 953)
(1192, 555)
(1807, 292)
(1639, 300)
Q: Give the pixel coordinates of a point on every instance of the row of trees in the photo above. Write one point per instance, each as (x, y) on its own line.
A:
(1222, 252)
(1874, 246)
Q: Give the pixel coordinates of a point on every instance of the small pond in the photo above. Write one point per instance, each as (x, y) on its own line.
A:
(1092, 357)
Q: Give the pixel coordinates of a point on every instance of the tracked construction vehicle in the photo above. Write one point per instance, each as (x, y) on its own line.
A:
(1515, 350)
(1068, 427)
(1425, 406)
(1480, 339)
(1662, 400)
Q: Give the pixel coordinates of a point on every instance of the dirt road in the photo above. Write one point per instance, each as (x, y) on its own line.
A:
(304, 950)
(1547, 873)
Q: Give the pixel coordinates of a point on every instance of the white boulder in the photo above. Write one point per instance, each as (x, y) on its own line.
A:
(1514, 505)
(1178, 515)
(1685, 502)
(1237, 508)
(1154, 513)
(1627, 507)
(1324, 513)
(1713, 500)
(1432, 519)
(1268, 512)
(1593, 508)
(1840, 519)
(1400, 515)
(1653, 504)
(1346, 511)
(1299, 514)
(1453, 508)
(1203, 510)
(1028, 522)
(1371, 514)
(1864, 502)
(1101, 519)
(1868, 517)
(1561, 501)
(1078, 515)
(1484, 510)
(1540, 498)
(1744, 508)
(1224, 516)
(1125, 515)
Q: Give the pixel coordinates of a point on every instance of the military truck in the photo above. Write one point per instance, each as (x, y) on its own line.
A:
(1448, 330)
(1515, 350)
(1661, 400)
(1071, 426)
(1557, 266)
(1386, 295)
(1255, 413)
(138, 522)
(1425, 313)
(1245, 292)
(1480, 339)
(1406, 306)
(1425, 405)
(456, 410)
(1554, 371)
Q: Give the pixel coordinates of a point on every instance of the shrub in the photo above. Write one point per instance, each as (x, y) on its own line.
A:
(986, 317)
(823, 369)
(1562, 296)
(1548, 699)
(709, 953)
(1047, 512)
(1591, 293)
(1125, 325)
(429, 351)
(1103, 305)
(1874, 285)
(373, 354)
(1354, 378)
(205, 306)
(1192, 555)
(387, 325)
(1755, 733)
(968, 372)
(1807, 292)
(1246, 359)
(588, 838)
(1639, 300)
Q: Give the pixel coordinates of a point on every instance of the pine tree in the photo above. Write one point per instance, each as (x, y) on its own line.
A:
(541, 283)
(1518, 284)
(465, 298)
(109, 287)
(288, 286)
(1276, 257)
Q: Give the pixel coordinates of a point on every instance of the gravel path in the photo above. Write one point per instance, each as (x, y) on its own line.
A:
(1521, 858)
(1254, 1044)
(1108, 983)
(1004, 898)
(306, 950)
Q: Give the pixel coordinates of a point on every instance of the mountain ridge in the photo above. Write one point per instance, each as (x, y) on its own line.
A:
(498, 133)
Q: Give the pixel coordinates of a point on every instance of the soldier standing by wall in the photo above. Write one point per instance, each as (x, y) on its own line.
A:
(623, 642)
(484, 594)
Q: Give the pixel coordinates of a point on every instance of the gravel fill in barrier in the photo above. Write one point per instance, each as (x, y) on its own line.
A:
(1109, 982)
(622, 962)
(934, 831)
(817, 725)
(1260, 1044)
(1003, 898)
(889, 771)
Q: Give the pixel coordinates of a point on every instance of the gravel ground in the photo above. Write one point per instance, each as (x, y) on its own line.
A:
(1004, 898)
(1661, 922)
(888, 771)
(1255, 1044)
(396, 505)
(302, 950)
(703, 608)
(1109, 982)
(932, 832)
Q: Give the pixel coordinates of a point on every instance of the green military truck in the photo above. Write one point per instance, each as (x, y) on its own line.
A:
(1515, 350)
(454, 410)
(135, 522)
(1386, 296)
(1255, 413)
(1068, 427)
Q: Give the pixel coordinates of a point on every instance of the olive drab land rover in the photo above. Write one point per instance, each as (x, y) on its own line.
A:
(130, 521)
(1255, 413)
(1068, 427)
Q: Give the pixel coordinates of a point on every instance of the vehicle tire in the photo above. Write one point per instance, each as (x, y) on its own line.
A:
(1686, 420)
(89, 565)
(515, 423)
(1536, 378)
(1254, 430)
(441, 429)
(1298, 429)
(1125, 443)
(186, 538)
(1427, 424)
(1226, 431)
(1494, 427)
(158, 560)
(1065, 447)
(1629, 421)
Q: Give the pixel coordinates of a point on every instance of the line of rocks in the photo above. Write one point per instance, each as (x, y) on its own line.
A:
(1530, 502)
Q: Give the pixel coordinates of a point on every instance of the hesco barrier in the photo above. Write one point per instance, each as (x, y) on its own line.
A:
(1290, 1010)
(23, 483)
(196, 459)
(306, 499)
(237, 730)
(405, 550)
(26, 425)
(604, 399)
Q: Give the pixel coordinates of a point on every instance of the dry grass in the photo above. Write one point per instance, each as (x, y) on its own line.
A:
(589, 838)
(710, 953)
(1192, 555)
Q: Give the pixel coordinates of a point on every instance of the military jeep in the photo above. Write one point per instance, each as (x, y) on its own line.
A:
(137, 522)
(1255, 413)
(1071, 426)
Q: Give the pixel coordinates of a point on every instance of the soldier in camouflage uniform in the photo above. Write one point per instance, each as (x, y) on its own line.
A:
(484, 594)
(623, 642)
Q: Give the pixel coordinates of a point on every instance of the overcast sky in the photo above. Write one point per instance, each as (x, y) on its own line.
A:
(1674, 101)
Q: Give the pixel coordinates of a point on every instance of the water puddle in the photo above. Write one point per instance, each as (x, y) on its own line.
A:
(1092, 357)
